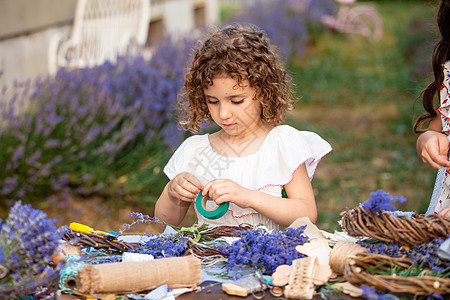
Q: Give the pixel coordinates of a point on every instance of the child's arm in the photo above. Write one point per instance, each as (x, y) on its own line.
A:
(176, 198)
(284, 211)
(432, 146)
(445, 213)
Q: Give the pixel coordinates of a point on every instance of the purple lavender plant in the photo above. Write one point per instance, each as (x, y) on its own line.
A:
(424, 255)
(81, 130)
(381, 201)
(27, 240)
(285, 21)
(140, 218)
(163, 246)
(371, 293)
(263, 250)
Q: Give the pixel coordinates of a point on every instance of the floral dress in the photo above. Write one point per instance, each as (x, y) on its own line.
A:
(283, 150)
(444, 110)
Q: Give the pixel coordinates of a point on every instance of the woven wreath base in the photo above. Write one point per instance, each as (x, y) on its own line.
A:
(104, 242)
(96, 241)
(384, 226)
(355, 273)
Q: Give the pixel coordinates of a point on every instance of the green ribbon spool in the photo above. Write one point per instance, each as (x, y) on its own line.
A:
(200, 204)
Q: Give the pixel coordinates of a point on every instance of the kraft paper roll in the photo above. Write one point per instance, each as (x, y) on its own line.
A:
(200, 204)
(133, 276)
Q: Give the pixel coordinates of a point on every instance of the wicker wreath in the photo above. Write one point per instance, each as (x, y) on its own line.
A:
(105, 242)
(96, 241)
(355, 273)
(384, 226)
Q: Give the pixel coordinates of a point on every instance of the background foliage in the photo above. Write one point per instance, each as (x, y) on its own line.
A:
(102, 131)
(105, 133)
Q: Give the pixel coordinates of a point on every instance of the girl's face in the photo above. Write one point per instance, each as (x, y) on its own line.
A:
(233, 107)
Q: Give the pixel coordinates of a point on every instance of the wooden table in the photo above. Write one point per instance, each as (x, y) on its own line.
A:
(213, 290)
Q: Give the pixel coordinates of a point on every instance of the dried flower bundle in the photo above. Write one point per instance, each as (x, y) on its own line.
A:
(263, 250)
(28, 240)
(374, 219)
(402, 256)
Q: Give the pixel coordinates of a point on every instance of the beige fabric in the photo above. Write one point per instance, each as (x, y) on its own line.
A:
(176, 272)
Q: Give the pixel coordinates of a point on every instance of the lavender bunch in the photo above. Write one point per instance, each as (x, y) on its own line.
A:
(371, 293)
(381, 201)
(163, 246)
(27, 242)
(263, 250)
(158, 245)
(424, 255)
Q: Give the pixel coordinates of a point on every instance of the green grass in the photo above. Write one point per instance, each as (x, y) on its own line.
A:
(360, 97)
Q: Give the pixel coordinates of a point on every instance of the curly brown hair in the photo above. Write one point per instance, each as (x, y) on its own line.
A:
(441, 54)
(242, 52)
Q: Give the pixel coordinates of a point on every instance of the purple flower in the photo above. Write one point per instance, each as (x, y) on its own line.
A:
(381, 201)
(263, 250)
(285, 21)
(163, 246)
(28, 240)
(98, 120)
(371, 293)
(424, 255)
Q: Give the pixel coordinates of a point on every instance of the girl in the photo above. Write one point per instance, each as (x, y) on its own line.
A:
(432, 143)
(236, 81)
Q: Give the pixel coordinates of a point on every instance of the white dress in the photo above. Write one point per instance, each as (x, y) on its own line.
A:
(444, 110)
(283, 150)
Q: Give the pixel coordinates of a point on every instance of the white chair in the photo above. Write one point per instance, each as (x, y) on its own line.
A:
(102, 30)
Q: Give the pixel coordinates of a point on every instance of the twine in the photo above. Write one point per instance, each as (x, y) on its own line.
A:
(384, 226)
(355, 273)
(3, 271)
(212, 260)
(341, 253)
(68, 280)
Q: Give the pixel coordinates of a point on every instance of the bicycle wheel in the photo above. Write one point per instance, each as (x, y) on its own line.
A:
(365, 22)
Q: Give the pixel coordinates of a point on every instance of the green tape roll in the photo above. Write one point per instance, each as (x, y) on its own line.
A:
(200, 204)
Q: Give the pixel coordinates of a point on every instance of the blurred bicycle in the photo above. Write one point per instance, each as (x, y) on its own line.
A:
(355, 19)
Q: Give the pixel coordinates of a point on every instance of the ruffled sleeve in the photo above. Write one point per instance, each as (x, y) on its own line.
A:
(287, 149)
(444, 109)
(183, 160)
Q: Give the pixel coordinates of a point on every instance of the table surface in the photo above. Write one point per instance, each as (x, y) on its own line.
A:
(213, 290)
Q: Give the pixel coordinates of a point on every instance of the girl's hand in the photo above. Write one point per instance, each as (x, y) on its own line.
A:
(185, 187)
(445, 213)
(432, 148)
(225, 190)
